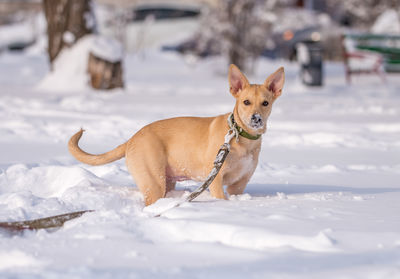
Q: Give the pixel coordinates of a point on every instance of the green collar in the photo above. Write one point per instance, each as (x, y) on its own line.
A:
(239, 130)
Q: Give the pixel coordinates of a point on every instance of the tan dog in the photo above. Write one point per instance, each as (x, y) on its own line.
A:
(184, 148)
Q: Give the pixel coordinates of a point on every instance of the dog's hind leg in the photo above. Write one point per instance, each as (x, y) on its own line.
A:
(151, 181)
(147, 165)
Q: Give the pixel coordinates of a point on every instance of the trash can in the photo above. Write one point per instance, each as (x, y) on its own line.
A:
(309, 56)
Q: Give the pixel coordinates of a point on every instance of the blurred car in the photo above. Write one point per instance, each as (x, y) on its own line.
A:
(17, 36)
(279, 45)
(195, 46)
(299, 26)
(150, 25)
(285, 44)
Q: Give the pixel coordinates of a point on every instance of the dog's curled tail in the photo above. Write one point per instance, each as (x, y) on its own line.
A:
(90, 159)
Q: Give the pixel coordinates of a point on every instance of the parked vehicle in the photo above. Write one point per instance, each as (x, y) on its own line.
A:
(285, 43)
(19, 35)
(281, 44)
(150, 25)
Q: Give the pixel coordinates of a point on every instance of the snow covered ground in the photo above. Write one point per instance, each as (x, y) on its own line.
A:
(323, 202)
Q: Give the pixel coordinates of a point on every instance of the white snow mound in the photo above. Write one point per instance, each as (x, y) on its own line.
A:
(69, 71)
(107, 48)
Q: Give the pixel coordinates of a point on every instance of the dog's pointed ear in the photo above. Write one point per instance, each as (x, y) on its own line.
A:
(237, 80)
(274, 82)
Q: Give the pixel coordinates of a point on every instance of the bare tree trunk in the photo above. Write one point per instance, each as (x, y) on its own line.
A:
(239, 28)
(238, 15)
(67, 22)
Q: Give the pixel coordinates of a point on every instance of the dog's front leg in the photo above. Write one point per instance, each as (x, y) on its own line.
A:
(238, 187)
(216, 188)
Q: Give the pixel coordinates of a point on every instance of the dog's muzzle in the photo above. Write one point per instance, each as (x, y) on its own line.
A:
(256, 121)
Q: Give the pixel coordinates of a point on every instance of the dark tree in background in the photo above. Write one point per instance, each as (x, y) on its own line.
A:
(240, 28)
(67, 22)
(239, 14)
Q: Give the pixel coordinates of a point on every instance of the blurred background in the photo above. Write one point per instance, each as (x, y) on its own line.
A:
(365, 35)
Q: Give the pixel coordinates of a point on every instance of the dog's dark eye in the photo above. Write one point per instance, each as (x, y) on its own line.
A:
(246, 102)
(265, 103)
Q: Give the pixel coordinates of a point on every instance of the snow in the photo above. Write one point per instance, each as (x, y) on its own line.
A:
(107, 48)
(387, 23)
(67, 75)
(323, 202)
(17, 259)
(69, 37)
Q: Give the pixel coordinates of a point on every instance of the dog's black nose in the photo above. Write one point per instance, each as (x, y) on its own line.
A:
(256, 120)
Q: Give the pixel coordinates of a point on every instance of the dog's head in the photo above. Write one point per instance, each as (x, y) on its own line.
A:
(254, 101)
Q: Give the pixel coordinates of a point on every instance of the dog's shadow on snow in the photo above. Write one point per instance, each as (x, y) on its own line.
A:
(273, 189)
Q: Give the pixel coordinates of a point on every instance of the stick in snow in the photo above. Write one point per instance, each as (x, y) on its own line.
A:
(42, 223)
